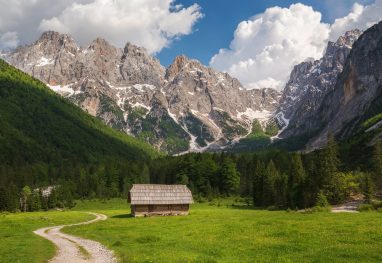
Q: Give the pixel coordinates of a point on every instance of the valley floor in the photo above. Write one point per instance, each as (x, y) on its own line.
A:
(224, 233)
(211, 233)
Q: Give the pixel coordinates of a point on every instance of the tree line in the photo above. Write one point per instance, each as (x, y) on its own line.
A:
(270, 178)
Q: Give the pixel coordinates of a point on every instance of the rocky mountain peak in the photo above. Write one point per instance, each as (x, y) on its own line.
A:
(133, 50)
(49, 36)
(57, 40)
(100, 43)
(137, 66)
(187, 106)
(357, 94)
(349, 38)
(309, 82)
(176, 66)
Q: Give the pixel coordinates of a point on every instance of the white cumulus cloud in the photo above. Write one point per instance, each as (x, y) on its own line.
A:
(361, 17)
(152, 24)
(266, 47)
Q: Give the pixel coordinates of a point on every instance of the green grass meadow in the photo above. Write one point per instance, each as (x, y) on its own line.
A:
(230, 234)
(210, 233)
(18, 243)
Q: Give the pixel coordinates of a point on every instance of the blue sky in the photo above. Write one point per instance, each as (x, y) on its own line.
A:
(221, 17)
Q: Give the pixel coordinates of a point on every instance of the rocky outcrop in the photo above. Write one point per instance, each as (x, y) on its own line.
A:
(187, 106)
(357, 95)
(309, 84)
(333, 95)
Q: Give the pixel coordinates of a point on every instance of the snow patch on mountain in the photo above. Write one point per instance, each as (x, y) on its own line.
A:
(43, 62)
(251, 114)
(63, 90)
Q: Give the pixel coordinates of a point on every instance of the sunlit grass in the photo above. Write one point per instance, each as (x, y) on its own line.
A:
(227, 234)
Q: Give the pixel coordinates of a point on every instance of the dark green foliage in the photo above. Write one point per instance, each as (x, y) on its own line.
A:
(272, 178)
(328, 170)
(367, 187)
(136, 113)
(162, 130)
(365, 208)
(321, 200)
(229, 177)
(377, 165)
(297, 180)
(230, 127)
(272, 128)
(107, 106)
(9, 198)
(255, 141)
(256, 127)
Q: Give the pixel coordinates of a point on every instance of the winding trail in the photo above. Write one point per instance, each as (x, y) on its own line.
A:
(349, 207)
(74, 249)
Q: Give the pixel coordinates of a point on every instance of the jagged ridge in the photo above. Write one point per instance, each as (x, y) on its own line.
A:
(185, 107)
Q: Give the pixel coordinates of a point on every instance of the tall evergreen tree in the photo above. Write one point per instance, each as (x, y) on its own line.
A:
(230, 178)
(328, 168)
(296, 182)
(34, 201)
(271, 176)
(377, 165)
(258, 183)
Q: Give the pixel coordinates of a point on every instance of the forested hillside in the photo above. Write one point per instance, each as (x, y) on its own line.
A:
(38, 125)
(45, 139)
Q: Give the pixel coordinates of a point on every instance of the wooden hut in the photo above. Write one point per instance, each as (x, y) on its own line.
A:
(159, 199)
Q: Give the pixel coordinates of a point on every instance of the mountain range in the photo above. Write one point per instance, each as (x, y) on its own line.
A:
(191, 107)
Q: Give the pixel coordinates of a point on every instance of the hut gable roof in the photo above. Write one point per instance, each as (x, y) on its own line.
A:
(158, 194)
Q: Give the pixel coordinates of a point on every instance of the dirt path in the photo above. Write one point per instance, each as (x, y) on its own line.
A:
(74, 249)
(350, 207)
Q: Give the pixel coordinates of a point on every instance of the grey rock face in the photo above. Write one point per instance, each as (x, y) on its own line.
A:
(308, 86)
(334, 95)
(185, 107)
(357, 94)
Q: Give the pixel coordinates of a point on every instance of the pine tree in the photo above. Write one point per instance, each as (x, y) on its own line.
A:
(367, 187)
(182, 178)
(52, 199)
(377, 165)
(8, 198)
(230, 177)
(329, 163)
(321, 200)
(296, 182)
(44, 201)
(258, 183)
(3, 199)
(270, 177)
(145, 175)
(35, 202)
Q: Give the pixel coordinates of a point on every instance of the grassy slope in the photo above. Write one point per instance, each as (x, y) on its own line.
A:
(38, 125)
(18, 244)
(226, 234)
(256, 140)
